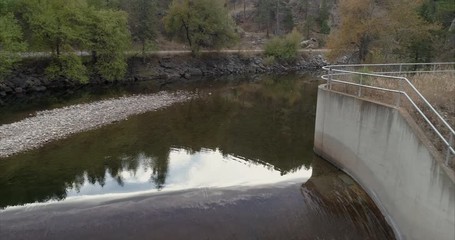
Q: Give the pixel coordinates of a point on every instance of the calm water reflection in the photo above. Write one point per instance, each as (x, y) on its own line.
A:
(206, 168)
(235, 135)
(266, 124)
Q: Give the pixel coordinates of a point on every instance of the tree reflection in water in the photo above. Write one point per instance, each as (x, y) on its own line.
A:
(269, 122)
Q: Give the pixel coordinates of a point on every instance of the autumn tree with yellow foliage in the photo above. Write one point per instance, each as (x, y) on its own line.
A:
(388, 30)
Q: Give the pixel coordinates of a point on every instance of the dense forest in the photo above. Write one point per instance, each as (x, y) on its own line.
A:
(87, 38)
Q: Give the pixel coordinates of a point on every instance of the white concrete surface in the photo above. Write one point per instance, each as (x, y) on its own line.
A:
(377, 146)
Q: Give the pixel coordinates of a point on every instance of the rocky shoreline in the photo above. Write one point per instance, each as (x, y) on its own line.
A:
(49, 125)
(29, 77)
(185, 67)
(45, 126)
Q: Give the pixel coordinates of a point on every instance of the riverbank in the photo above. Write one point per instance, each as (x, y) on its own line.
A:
(49, 125)
(29, 77)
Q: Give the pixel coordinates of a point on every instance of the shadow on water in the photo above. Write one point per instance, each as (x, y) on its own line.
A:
(235, 134)
(336, 202)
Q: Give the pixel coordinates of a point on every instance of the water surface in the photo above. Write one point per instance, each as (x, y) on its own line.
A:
(228, 165)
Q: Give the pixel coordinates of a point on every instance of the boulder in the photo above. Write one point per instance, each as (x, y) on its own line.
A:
(194, 72)
(39, 88)
(18, 90)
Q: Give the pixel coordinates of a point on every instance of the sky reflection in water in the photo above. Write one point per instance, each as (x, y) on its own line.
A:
(240, 134)
(243, 134)
(204, 169)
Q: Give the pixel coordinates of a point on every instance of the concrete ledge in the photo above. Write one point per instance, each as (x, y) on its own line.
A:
(385, 151)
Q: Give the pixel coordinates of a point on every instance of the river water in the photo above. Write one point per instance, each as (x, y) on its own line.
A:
(235, 163)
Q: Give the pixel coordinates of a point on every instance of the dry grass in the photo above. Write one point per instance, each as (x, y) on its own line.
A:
(437, 88)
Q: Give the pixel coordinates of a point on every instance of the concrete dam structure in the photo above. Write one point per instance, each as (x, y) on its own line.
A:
(383, 148)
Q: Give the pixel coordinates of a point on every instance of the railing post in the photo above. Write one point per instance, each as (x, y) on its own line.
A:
(449, 153)
(399, 73)
(359, 94)
(400, 89)
(329, 80)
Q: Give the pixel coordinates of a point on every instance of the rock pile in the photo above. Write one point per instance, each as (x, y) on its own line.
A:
(55, 124)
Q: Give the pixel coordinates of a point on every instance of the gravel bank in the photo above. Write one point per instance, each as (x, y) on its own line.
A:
(55, 124)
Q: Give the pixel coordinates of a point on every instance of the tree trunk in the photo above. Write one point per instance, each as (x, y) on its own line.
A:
(143, 51)
(94, 57)
(277, 17)
(244, 10)
(363, 48)
(57, 47)
(452, 26)
(187, 33)
(307, 24)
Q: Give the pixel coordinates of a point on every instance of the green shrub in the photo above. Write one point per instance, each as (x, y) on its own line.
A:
(10, 42)
(67, 66)
(325, 28)
(111, 66)
(269, 60)
(284, 48)
(364, 79)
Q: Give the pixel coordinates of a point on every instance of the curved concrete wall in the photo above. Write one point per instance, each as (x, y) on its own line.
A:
(379, 147)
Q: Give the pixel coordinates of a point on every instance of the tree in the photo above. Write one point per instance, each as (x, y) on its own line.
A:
(106, 4)
(323, 17)
(244, 9)
(413, 36)
(265, 13)
(142, 21)
(108, 38)
(386, 28)
(233, 2)
(56, 24)
(360, 26)
(307, 19)
(200, 23)
(10, 39)
(441, 12)
(277, 11)
(67, 26)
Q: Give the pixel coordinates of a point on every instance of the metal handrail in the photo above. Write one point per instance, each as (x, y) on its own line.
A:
(389, 64)
(334, 71)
